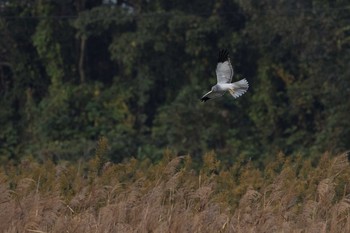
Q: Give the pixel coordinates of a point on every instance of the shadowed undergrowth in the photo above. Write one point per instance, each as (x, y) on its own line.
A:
(290, 194)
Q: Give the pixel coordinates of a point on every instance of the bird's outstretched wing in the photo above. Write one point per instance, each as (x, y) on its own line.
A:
(211, 95)
(224, 70)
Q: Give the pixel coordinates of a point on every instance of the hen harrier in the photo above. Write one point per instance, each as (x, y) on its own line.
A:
(224, 73)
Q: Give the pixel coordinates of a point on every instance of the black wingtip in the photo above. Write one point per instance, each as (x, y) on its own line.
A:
(204, 99)
(223, 55)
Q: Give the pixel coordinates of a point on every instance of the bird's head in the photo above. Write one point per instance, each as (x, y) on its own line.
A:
(214, 88)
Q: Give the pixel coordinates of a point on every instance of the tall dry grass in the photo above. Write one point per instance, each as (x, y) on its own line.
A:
(290, 195)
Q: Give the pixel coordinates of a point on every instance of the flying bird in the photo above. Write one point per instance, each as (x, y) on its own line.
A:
(224, 74)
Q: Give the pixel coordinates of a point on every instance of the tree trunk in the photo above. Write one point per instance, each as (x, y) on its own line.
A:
(81, 59)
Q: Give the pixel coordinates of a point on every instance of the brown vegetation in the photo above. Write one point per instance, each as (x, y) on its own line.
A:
(290, 195)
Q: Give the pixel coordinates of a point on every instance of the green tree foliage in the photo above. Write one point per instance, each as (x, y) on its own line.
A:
(301, 79)
(72, 72)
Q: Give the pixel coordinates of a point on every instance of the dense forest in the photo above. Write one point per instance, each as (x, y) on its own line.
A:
(132, 72)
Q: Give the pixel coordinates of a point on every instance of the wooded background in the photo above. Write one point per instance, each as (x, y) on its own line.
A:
(133, 72)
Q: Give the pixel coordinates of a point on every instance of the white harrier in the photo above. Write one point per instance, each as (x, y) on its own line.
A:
(224, 73)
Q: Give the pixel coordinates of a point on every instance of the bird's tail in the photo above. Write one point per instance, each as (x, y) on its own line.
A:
(239, 88)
